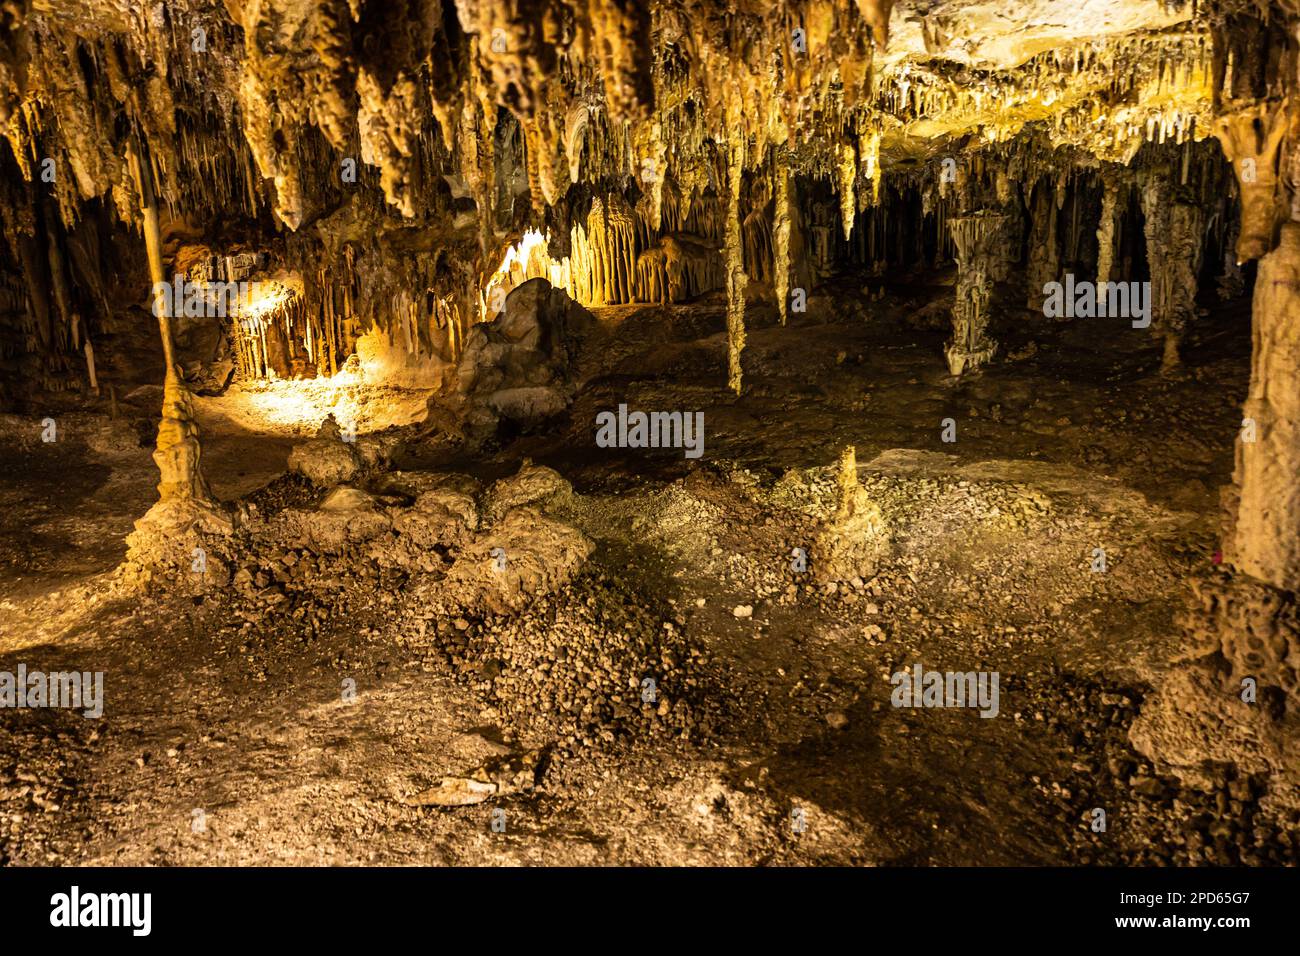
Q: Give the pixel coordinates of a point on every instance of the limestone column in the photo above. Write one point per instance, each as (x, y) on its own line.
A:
(1108, 230)
(169, 539)
(1008, 239)
(1249, 616)
(1266, 540)
(1044, 258)
(1174, 233)
(177, 452)
(1234, 700)
(978, 241)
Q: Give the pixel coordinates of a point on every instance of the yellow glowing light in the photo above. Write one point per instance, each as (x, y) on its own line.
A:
(297, 407)
(526, 259)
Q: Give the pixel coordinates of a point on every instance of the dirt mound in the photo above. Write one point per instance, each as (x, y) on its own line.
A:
(589, 663)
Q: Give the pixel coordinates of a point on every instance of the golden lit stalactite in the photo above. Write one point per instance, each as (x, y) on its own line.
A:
(478, 152)
(869, 148)
(652, 152)
(876, 13)
(736, 278)
(615, 36)
(532, 160)
(388, 139)
(575, 130)
(781, 230)
(846, 171)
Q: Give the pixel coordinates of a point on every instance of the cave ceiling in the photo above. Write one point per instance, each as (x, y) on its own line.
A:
(238, 100)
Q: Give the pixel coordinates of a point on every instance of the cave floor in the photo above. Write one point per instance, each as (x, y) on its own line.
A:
(1063, 446)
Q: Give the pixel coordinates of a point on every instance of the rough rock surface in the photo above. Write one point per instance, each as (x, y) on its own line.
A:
(520, 366)
(534, 485)
(326, 460)
(332, 458)
(524, 554)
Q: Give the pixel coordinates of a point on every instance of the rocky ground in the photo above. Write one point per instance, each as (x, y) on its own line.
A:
(650, 678)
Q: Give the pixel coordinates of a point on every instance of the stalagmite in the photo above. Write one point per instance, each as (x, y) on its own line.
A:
(855, 539)
(182, 485)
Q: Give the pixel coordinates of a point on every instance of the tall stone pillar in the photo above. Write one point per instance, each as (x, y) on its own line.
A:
(168, 537)
(979, 241)
(1110, 227)
(1235, 700)
(1175, 231)
(1265, 541)
(1044, 257)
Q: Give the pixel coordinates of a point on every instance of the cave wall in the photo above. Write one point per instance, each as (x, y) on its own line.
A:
(390, 154)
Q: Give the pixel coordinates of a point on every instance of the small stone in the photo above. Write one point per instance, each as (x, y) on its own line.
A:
(743, 611)
(836, 720)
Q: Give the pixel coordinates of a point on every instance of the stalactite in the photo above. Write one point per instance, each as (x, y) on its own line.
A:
(1254, 157)
(781, 231)
(869, 149)
(602, 88)
(736, 279)
(847, 172)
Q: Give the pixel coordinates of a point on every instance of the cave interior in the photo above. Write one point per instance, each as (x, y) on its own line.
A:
(650, 432)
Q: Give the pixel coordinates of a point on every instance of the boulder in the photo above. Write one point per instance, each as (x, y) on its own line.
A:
(521, 366)
(326, 460)
(532, 486)
(525, 556)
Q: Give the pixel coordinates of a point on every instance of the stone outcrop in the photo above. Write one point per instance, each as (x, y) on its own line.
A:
(522, 366)
(332, 457)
